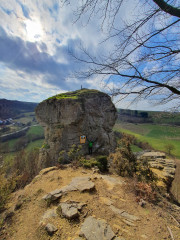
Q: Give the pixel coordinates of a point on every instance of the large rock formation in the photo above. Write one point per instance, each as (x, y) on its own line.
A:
(66, 117)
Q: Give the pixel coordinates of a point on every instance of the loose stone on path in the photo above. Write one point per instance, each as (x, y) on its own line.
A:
(50, 228)
(69, 211)
(96, 229)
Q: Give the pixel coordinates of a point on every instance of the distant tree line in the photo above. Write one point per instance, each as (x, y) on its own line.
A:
(134, 113)
(134, 116)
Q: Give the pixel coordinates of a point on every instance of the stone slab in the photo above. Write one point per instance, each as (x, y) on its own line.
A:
(96, 229)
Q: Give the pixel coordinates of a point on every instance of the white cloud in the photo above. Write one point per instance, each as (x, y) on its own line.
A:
(43, 67)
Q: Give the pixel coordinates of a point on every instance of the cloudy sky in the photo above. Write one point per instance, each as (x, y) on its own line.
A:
(36, 38)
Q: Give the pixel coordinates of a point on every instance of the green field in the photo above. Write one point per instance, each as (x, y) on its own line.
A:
(35, 130)
(158, 136)
(34, 135)
(34, 144)
(8, 157)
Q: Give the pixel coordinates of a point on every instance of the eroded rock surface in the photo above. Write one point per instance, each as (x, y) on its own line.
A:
(163, 167)
(70, 210)
(81, 184)
(68, 116)
(96, 229)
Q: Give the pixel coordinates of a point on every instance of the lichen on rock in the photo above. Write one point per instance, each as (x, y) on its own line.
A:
(66, 117)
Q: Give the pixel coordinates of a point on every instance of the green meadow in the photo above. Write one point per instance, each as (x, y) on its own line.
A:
(158, 136)
(34, 135)
(36, 130)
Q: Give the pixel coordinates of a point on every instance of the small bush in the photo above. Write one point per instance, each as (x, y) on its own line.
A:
(123, 160)
(169, 148)
(7, 186)
(74, 153)
(103, 163)
(143, 171)
(100, 162)
(45, 146)
(133, 140)
(88, 163)
(61, 156)
(24, 165)
(145, 191)
(125, 164)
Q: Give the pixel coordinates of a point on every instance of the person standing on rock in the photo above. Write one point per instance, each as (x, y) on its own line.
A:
(90, 145)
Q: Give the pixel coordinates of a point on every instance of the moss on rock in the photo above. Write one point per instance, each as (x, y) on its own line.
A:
(75, 94)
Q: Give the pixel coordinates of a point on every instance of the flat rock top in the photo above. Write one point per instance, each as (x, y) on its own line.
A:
(154, 154)
(82, 93)
(82, 184)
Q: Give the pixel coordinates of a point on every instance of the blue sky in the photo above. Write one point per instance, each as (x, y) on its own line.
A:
(35, 40)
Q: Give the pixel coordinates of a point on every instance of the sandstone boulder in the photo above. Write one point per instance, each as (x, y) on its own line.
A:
(66, 117)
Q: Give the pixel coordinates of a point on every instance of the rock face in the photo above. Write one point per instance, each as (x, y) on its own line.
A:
(68, 116)
(161, 166)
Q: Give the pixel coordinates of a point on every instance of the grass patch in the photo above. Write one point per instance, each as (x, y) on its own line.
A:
(157, 136)
(74, 94)
(34, 134)
(34, 138)
(36, 130)
(135, 148)
(34, 144)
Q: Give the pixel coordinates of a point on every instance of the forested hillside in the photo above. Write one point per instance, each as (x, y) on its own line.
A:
(10, 109)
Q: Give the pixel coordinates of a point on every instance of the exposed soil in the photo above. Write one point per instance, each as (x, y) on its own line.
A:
(25, 224)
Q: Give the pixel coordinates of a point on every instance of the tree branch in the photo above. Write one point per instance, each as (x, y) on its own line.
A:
(168, 8)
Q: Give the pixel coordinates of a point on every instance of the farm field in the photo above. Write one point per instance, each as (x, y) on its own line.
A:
(158, 136)
(33, 138)
(25, 117)
(8, 157)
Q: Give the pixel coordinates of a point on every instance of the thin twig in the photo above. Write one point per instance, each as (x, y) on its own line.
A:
(170, 232)
(175, 220)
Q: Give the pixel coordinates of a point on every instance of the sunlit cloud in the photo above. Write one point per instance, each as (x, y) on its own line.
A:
(36, 38)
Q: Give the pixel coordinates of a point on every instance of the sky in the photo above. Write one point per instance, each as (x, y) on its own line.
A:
(36, 42)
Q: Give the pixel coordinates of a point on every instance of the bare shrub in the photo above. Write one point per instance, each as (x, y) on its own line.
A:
(145, 191)
(7, 186)
(25, 166)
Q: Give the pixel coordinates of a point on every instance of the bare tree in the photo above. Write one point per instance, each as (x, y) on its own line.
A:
(146, 54)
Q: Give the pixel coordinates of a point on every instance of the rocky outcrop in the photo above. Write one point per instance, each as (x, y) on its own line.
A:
(68, 116)
(163, 167)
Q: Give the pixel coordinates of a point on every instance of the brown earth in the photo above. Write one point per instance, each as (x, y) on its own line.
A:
(25, 224)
